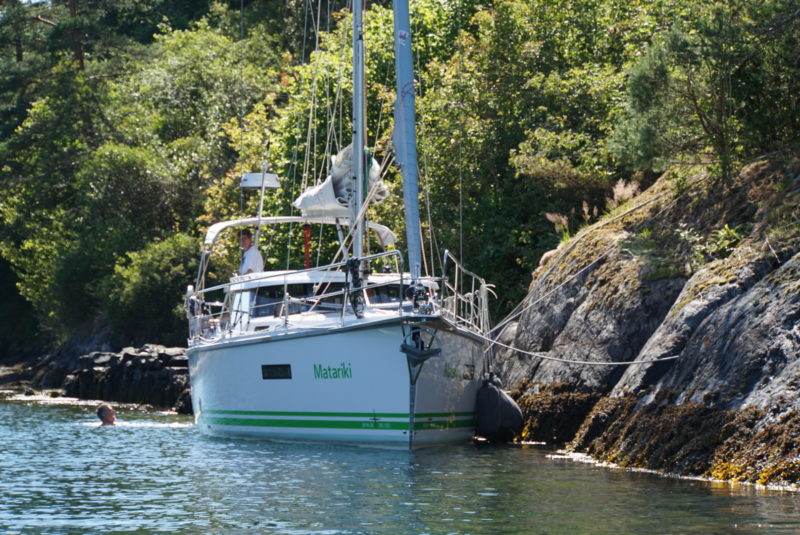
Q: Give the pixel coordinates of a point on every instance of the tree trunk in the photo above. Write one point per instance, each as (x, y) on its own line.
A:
(77, 48)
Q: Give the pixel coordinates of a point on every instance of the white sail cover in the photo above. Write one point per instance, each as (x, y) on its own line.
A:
(332, 198)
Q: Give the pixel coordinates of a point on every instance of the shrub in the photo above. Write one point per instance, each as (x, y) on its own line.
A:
(144, 296)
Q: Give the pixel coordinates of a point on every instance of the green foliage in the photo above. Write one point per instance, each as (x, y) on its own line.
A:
(309, 120)
(641, 141)
(703, 86)
(516, 123)
(717, 245)
(19, 331)
(124, 127)
(724, 240)
(40, 206)
(144, 296)
(655, 254)
(560, 224)
(103, 166)
(677, 180)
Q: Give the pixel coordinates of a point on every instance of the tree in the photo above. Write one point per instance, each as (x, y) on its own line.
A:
(103, 166)
(40, 205)
(144, 295)
(516, 122)
(711, 84)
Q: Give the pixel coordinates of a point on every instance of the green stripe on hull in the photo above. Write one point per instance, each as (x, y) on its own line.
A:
(338, 424)
(308, 424)
(342, 414)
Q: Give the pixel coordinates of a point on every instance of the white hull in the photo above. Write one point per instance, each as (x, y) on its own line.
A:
(349, 384)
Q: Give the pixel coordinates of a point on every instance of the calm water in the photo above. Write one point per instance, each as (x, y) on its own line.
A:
(154, 473)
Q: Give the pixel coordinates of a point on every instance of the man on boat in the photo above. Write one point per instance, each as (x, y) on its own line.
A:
(106, 414)
(251, 259)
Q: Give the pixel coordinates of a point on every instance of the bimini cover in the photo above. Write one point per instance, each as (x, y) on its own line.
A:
(332, 198)
(385, 236)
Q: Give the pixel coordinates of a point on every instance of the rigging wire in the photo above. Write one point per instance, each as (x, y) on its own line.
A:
(309, 13)
(422, 164)
(311, 138)
(521, 308)
(293, 182)
(334, 111)
(462, 116)
(433, 243)
(379, 122)
(307, 10)
(460, 197)
(361, 214)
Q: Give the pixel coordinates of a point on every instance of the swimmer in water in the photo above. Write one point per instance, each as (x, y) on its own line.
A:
(106, 414)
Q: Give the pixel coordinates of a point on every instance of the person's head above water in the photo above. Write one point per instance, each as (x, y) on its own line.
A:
(106, 414)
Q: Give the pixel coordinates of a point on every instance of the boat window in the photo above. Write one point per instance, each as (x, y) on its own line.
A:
(266, 297)
(269, 299)
(384, 294)
(330, 288)
(276, 371)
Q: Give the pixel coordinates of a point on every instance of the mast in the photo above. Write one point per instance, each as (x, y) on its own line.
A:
(405, 138)
(359, 125)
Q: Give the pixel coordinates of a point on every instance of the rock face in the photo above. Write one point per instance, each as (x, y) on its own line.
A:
(672, 280)
(52, 369)
(153, 375)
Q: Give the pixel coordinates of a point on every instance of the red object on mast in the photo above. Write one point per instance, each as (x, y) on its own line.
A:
(307, 243)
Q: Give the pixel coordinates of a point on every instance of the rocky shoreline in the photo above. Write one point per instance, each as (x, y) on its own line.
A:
(635, 353)
(152, 375)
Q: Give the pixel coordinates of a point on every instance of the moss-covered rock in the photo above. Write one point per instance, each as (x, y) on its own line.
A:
(699, 289)
(555, 412)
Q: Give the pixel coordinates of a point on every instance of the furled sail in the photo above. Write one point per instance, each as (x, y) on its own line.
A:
(333, 196)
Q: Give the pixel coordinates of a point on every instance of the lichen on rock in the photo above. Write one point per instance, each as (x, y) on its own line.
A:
(719, 318)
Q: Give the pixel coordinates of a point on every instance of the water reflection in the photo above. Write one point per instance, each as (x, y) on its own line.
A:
(154, 473)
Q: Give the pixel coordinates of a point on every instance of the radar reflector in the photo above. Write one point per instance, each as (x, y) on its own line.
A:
(259, 180)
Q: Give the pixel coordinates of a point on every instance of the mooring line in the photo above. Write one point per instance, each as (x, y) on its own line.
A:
(517, 312)
(544, 356)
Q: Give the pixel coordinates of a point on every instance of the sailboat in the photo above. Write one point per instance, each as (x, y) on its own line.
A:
(362, 350)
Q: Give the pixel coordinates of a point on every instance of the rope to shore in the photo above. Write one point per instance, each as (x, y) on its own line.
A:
(544, 356)
(519, 310)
